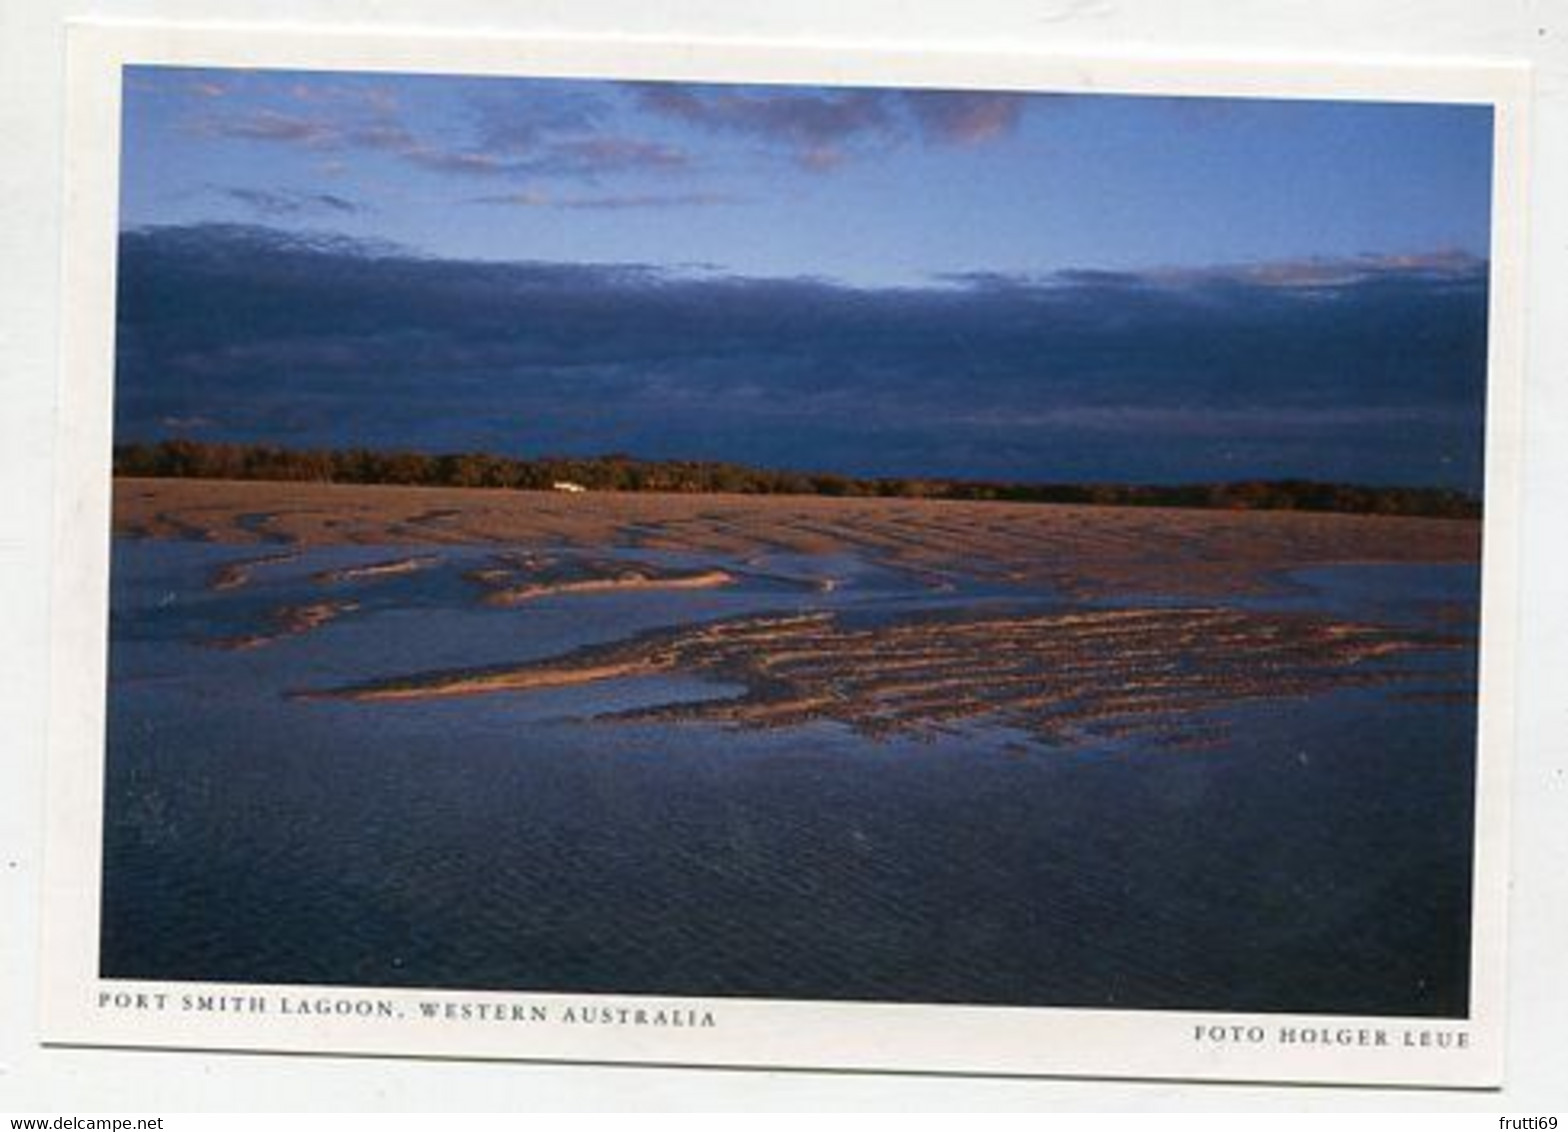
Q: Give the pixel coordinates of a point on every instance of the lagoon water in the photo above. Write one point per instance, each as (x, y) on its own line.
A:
(1317, 861)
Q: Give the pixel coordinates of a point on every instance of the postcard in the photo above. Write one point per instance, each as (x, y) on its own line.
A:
(741, 555)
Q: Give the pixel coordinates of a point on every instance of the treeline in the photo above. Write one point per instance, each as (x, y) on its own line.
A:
(194, 459)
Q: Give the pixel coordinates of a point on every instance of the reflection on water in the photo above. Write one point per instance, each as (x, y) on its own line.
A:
(1315, 861)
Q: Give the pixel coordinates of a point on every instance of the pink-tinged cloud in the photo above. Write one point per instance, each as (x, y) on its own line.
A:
(964, 118)
(821, 131)
(453, 161)
(517, 126)
(347, 129)
(820, 159)
(271, 126)
(610, 153)
(378, 99)
(1312, 274)
(815, 128)
(386, 136)
(584, 159)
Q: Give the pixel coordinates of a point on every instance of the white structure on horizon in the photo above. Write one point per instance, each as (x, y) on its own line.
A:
(568, 486)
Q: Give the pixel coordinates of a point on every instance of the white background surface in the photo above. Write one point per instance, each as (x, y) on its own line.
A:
(31, 103)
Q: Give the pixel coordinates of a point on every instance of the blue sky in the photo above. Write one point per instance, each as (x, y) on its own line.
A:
(1272, 286)
(865, 186)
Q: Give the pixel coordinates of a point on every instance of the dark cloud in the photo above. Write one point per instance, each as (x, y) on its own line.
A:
(547, 133)
(820, 129)
(1325, 274)
(386, 135)
(375, 97)
(513, 121)
(816, 126)
(607, 153)
(533, 198)
(280, 203)
(582, 159)
(467, 162)
(1369, 369)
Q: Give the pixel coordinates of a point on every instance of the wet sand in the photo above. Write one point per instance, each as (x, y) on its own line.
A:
(1078, 551)
(911, 752)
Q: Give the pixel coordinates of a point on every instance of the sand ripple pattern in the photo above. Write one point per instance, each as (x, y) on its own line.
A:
(512, 579)
(1078, 551)
(1061, 678)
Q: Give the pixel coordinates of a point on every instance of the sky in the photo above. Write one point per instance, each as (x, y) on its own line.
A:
(875, 281)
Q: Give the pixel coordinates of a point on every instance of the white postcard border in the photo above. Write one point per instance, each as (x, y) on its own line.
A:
(78, 1008)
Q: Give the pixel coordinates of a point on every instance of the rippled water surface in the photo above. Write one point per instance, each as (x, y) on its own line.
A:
(1315, 861)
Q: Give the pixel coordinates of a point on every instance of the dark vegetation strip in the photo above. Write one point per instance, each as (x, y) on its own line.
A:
(197, 460)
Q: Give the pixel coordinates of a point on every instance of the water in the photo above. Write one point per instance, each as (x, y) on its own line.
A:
(1316, 862)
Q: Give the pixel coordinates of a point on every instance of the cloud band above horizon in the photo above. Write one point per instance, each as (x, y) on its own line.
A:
(1368, 369)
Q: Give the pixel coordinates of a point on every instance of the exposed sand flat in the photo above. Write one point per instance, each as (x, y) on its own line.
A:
(289, 621)
(372, 570)
(234, 575)
(478, 683)
(1060, 676)
(705, 580)
(518, 578)
(1080, 550)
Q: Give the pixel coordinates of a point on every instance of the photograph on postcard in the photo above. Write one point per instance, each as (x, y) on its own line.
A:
(785, 542)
